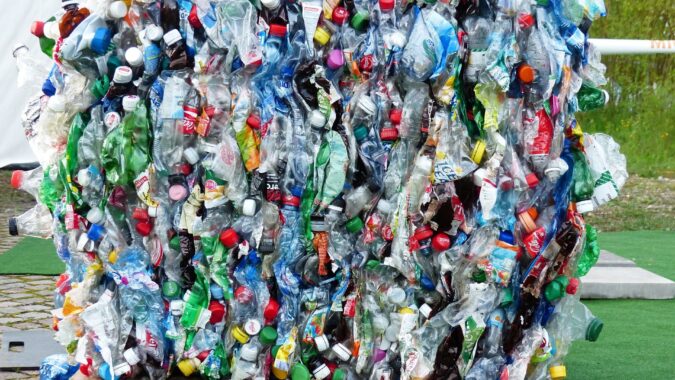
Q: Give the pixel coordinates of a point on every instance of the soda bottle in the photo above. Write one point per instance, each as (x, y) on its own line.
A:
(35, 222)
(72, 17)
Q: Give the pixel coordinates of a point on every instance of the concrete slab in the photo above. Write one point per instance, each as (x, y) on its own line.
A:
(26, 349)
(609, 259)
(611, 282)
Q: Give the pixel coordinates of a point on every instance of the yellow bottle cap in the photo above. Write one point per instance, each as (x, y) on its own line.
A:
(557, 372)
(239, 334)
(112, 257)
(187, 366)
(478, 151)
(321, 35)
(406, 310)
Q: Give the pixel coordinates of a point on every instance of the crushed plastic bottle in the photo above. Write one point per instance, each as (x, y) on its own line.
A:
(341, 189)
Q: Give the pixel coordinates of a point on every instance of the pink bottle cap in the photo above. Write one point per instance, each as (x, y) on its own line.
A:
(335, 59)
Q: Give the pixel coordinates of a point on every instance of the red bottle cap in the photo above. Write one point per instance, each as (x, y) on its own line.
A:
(185, 168)
(440, 242)
(423, 233)
(278, 30)
(387, 5)
(229, 238)
(17, 179)
(271, 310)
(532, 180)
(140, 214)
(217, 312)
(253, 120)
(144, 228)
(244, 294)
(37, 28)
(339, 15)
(395, 115)
(525, 20)
(366, 63)
(291, 200)
(573, 286)
(194, 19)
(203, 355)
(525, 73)
(389, 134)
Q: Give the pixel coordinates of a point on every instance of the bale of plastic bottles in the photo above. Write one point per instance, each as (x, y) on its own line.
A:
(336, 189)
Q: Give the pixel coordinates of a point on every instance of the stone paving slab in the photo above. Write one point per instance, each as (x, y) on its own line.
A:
(611, 282)
(609, 259)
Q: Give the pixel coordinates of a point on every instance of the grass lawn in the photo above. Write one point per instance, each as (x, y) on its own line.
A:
(638, 338)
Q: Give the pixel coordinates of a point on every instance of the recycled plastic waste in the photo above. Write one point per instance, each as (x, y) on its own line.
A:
(345, 189)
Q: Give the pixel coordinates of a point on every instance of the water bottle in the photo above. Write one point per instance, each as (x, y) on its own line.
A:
(35, 222)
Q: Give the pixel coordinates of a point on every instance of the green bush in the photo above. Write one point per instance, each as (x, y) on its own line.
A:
(640, 114)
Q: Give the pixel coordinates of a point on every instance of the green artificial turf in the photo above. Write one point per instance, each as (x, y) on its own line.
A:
(637, 342)
(31, 256)
(651, 250)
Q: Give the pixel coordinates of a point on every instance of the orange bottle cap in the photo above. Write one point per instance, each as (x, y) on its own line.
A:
(526, 73)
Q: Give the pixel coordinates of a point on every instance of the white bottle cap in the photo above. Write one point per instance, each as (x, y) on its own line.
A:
(321, 342)
(384, 206)
(172, 36)
(112, 120)
(191, 155)
(270, 4)
(176, 307)
(248, 208)
(391, 333)
(342, 352)
(130, 102)
(424, 164)
(425, 310)
(384, 344)
(95, 215)
(51, 30)
(316, 119)
(134, 57)
(117, 9)
(131, 357)
(249, 352)
(367, 105)
(82, 243)
(478, 176)
(321, 372)
(57, 103)
(83, 177)
(584, 206)
(154, 33)
(152, 211)
(252, 327)
(398, 39)
(121, 369)
(123, 74)
(396, 295)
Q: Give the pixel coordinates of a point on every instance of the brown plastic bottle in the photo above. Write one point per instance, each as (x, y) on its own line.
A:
(72, 18)
(445, 366)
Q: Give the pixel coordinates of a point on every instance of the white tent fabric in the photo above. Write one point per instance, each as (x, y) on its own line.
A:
(16, 20)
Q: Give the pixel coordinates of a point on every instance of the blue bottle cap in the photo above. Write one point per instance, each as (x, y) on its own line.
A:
(296, 191)
(48, 88)
(427, 283)
(96, 232)
(99, 44)
(506, 237)
(217, 292)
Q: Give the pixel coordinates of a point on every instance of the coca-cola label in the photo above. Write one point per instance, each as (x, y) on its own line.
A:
(189, 119)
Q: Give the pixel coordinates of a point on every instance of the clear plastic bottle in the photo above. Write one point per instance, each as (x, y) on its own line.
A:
(35, 222)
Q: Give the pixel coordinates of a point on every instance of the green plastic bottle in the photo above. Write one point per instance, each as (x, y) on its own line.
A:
(126, 150)
(582, 190)
(590, 254)
(46, 43)
(591, 98)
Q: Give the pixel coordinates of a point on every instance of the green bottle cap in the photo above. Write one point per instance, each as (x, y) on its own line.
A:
(594, 329)
(507, 297)
(479, 276)
(113, 63)
(100, 87)
(372, 264)
(175, 243)
(360, 21)
(360, 133)
(339, 374)
(354, 224)
(275, 349)
(308, 354)
(300, 372)
(170, 289)
(555, 290)
(268, 335)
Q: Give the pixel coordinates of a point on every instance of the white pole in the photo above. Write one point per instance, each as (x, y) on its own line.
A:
(611, 47)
